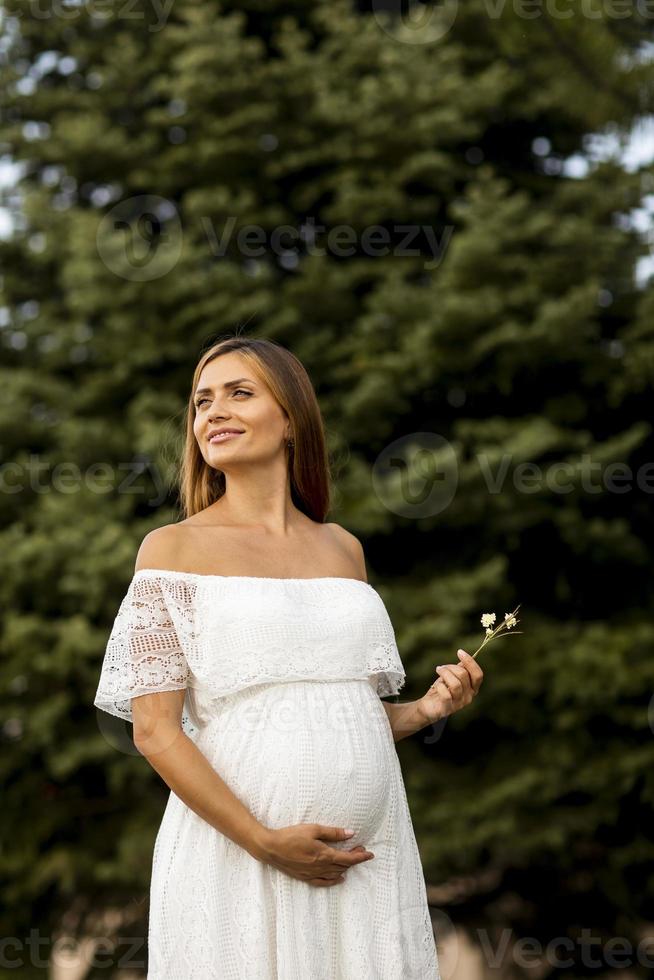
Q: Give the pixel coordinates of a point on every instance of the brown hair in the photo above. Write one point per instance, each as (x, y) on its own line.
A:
(200, 485)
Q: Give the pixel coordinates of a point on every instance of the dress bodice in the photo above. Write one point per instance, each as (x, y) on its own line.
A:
(214, 635)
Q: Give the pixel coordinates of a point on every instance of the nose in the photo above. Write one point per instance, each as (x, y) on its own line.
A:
(216, 414)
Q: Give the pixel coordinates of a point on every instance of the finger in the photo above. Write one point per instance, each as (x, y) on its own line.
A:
(473, 668)
(450, 678)
(325, 882)
(359, 850)
(462, 672)
(465, 678)
(458, 670)
(442, 688)
(325, 832)
(349, 858)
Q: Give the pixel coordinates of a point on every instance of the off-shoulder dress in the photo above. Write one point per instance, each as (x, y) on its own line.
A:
(283, 679)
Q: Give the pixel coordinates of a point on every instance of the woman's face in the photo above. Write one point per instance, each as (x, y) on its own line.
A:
(229, 395)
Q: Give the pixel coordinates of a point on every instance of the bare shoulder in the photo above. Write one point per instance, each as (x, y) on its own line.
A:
(352, 546)
(160, 548)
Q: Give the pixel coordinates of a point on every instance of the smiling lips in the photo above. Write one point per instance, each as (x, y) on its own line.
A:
(224, 435)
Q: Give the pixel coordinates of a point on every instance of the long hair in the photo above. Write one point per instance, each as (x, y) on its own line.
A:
(200, 484)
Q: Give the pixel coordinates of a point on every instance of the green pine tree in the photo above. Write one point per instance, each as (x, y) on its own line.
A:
(510, 326)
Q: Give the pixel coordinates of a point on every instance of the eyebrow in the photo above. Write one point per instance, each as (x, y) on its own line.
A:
(227, 384)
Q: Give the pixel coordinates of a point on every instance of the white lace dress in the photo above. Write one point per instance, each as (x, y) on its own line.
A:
(283, 680)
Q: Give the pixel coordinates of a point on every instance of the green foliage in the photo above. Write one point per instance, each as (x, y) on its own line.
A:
(524, 339)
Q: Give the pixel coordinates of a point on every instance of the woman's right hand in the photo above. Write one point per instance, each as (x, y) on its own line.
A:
(299, 851)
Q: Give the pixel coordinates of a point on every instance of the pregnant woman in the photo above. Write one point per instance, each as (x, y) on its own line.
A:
(251, 655)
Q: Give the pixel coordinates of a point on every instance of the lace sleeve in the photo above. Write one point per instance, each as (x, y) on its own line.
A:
(386, 670)
(143, 654)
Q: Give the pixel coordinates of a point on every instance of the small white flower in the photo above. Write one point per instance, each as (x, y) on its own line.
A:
(487, 620)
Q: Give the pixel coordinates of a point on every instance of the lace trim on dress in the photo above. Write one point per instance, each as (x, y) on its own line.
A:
(144, 654)
(216, 635)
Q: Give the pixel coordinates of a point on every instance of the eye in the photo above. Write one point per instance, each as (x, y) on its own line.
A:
(243, 391)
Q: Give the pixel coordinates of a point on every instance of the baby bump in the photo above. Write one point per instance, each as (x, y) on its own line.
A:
(306, 751)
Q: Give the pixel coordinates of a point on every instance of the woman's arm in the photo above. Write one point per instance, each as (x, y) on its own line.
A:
(159, 737)
(406, 718)
(191, 777)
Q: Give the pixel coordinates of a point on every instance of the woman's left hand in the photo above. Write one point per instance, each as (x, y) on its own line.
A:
(455, 688)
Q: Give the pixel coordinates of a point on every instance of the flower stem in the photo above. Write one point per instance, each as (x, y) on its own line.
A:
(495, 637)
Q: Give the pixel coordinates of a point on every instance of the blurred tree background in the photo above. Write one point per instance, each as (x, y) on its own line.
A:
(149, 138)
